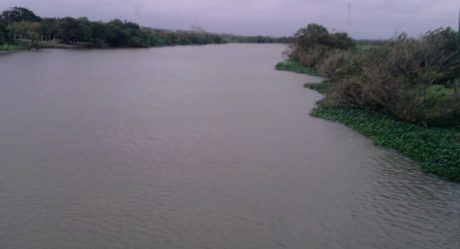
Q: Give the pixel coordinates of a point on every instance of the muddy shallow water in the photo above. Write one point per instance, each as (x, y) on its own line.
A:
(197, 147)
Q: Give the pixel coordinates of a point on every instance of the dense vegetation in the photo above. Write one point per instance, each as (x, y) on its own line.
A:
(416, 80)
(295, 66)
(21, 24)
(312, 44)
(436, 148)
(403, 93)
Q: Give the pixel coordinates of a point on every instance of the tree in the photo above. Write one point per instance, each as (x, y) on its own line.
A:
(74, 30)
(17, 14)
(117, 35)
(310, 45)
(34, 38)
(21, 23)
(19, 30)
(100, 33)
(3, 32)
(128, 34)
(83, 30)
(341, 41)
(49, 28)
(313, 34)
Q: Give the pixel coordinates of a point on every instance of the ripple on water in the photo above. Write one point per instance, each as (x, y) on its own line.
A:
(411, 207)
(187, 147)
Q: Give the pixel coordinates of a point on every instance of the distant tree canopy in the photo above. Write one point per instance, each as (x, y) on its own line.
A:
(317, 35)
(3, 32)
(312, 43)
(21, 23)
(17, 14)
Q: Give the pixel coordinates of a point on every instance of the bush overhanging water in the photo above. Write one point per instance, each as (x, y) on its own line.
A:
(403, 93)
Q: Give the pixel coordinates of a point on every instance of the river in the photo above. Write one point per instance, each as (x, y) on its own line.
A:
(197, 147)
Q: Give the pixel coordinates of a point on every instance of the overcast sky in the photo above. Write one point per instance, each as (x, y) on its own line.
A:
(369, 18)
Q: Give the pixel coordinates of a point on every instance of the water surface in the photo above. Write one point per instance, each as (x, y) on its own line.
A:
(197, 147)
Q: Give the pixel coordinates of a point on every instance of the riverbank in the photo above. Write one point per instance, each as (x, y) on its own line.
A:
(57, 45)
(25, 45)
(296, 67)
(69, 32)
(13, 47)
(436, 149)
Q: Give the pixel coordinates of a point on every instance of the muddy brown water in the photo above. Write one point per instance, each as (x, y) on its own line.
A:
(197, 147)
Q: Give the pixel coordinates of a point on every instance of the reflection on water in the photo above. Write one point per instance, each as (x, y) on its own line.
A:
(197, 147)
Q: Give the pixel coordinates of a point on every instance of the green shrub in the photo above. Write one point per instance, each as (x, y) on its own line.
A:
(374, 90)
(415, 80)
(310, 45)
(312, 57)
(322, 87)
(296, 67)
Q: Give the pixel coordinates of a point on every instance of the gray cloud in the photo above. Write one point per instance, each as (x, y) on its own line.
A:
(369, 18)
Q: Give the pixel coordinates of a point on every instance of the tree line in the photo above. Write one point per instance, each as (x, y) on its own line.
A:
(21, 24)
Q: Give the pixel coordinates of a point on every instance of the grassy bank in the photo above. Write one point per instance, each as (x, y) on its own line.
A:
(319, 87)
(437, 149)
(414, 83)
(59, 45)
(26, 44)
(296, 67)
(11, 47)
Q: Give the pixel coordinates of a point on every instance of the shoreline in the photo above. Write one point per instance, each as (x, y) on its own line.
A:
(436, 149)
(21, 47)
